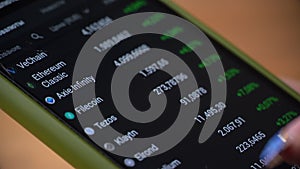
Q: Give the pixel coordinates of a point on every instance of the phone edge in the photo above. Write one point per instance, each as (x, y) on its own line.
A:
(81, 154)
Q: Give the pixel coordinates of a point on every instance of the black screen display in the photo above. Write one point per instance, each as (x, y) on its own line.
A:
(41, 40)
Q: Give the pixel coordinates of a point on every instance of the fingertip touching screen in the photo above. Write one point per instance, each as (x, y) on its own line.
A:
(141, 84)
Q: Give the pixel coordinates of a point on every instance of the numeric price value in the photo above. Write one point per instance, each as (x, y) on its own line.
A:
(231, 126)
(251, 142)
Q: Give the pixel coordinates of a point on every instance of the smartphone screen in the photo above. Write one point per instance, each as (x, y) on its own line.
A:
(40, 44)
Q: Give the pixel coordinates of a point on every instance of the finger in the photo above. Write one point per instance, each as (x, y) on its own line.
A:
(293, 83)
(292, 152)
(283, 146)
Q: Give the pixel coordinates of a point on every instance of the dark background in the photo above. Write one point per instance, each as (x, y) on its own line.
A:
(268, 31)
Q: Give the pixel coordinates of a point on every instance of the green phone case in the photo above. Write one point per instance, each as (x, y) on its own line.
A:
(66, 142)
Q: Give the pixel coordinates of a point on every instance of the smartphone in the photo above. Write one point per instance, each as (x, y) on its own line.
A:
(173, 94)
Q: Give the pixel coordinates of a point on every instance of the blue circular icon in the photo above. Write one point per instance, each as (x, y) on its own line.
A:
(69, 115)
(89, 131)
(50, 100)
(129, 162)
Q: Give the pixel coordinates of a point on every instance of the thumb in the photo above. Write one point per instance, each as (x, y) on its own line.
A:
(291, 153)
(283, 146)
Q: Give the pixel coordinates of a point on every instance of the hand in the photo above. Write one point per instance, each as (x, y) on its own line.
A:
(291, 154)
(295, 84)
(284, 145)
